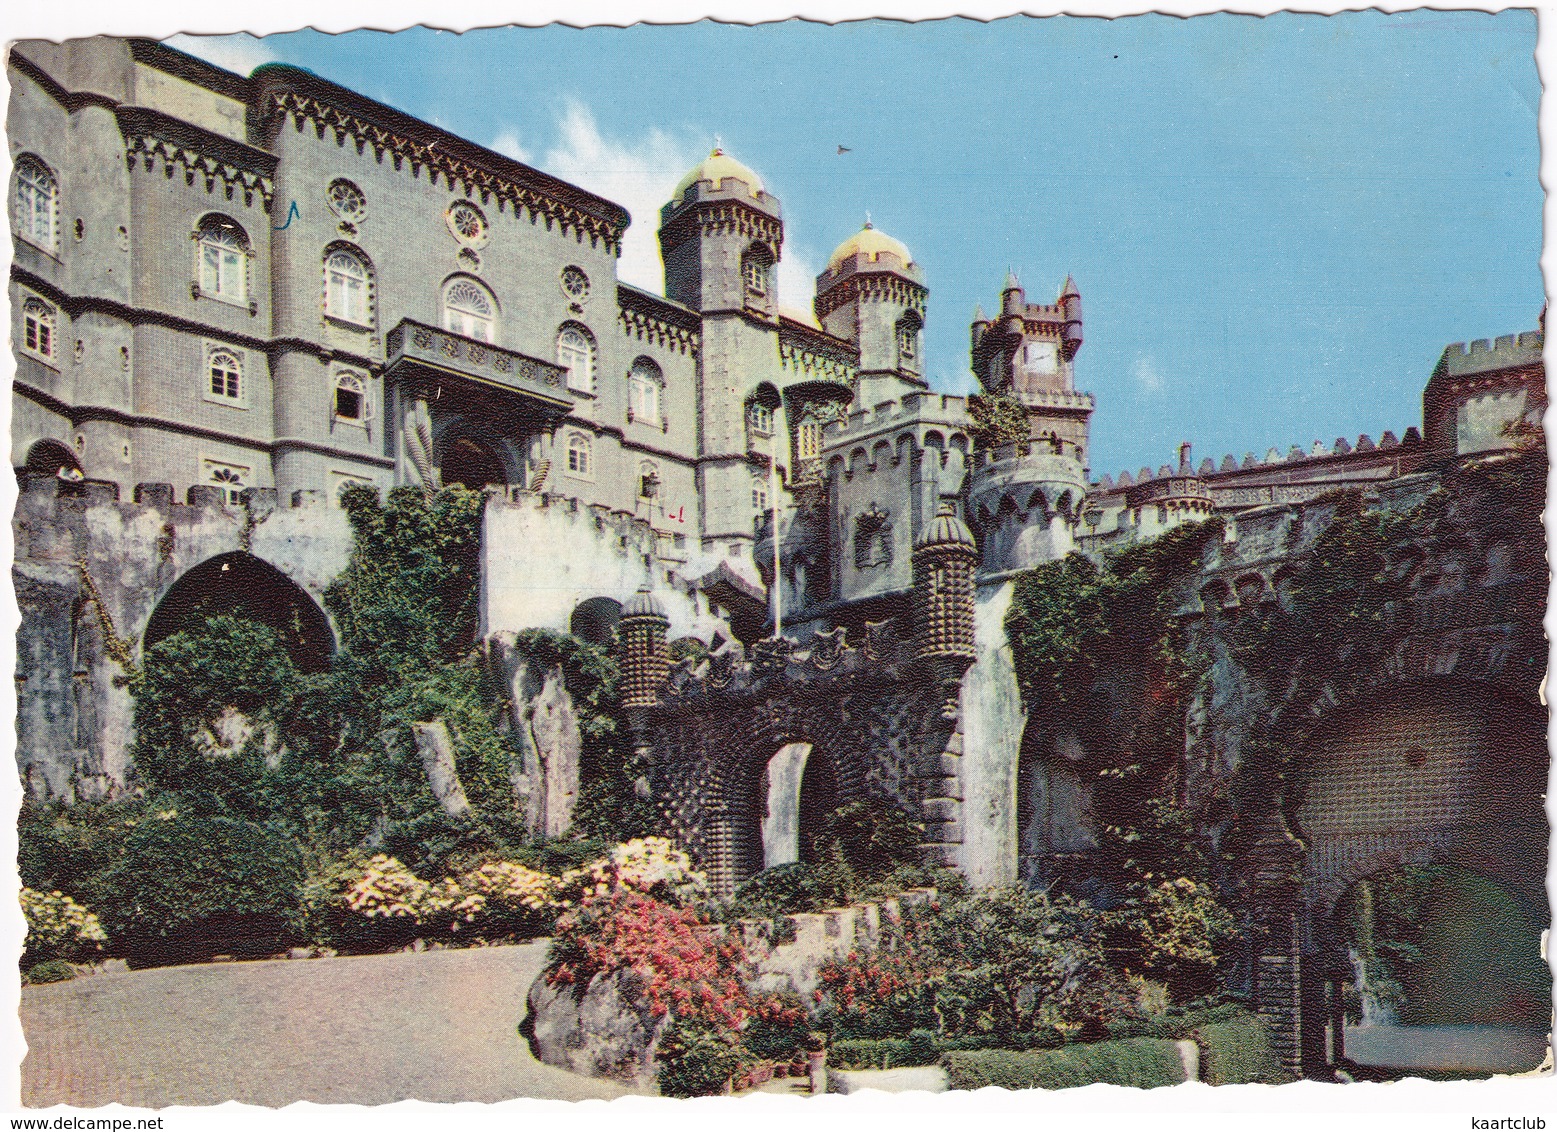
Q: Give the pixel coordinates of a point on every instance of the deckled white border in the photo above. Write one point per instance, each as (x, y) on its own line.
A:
(1294, 1108)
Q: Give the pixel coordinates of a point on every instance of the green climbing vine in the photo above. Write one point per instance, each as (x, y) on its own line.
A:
(998, 418)
(1105, 665)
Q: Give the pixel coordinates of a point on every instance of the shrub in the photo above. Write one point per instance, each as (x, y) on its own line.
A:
(58, 928)
(877, 1053)
(1143, 1063)
(874, 837)
(1238, 1052)
(781, 891)
(1013, 959)
(696, 1058)
(654, 866)
(50, 971)
(779, 1028)
(188, 887)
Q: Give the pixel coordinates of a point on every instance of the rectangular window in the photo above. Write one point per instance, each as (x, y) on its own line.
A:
(221, 272)
(809, 440)
(762, 420)
(39, 338)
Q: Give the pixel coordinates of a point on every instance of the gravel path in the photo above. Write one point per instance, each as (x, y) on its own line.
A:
(432, 1026)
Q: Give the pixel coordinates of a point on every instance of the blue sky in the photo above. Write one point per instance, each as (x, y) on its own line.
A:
(1276, 224)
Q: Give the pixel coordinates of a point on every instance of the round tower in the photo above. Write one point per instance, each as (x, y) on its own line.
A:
(644, 658)
(945, 558)
(873, 294)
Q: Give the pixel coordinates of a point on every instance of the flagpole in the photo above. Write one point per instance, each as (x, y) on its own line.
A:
(773, 495)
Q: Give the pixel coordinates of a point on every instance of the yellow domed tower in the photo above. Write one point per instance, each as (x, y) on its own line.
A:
(873, 295)
(720, 236)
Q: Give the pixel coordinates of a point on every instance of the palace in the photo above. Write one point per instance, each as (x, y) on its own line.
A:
(232, 296)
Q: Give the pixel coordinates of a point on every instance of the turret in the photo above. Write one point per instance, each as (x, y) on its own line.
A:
(720, 236)
(873, 295)
(945, 559)
(644, 658)
(1028, 353)
(1070, 310)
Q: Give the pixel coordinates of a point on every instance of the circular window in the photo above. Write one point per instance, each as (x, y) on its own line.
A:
(346, 200)
(467, 223)
(575, 284)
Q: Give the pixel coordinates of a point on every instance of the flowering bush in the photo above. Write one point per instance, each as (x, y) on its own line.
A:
(685, 968)
(684, 964)
(650, 865)
(388, 889)
(887, 992)
(382, 903)
(58, 927)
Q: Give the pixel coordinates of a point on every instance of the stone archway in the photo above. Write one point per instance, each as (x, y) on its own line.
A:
(1445, 776)
(781, 787)
(467, 462)
(52, 458)
(595, 619)
(240, 585)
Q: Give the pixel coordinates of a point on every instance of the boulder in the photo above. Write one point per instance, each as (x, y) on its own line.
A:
(605, 1029)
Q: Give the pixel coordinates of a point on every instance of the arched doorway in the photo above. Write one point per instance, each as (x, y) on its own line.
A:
(470, 463)
(818, 807)
(1424, 868)
(779, 798)
(1441, 970)
(51, 458)
(241, 585)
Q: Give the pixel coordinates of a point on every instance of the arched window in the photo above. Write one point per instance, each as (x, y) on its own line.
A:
(756, 270)
(579, 463)
(469, 309)
(644, 382)
(233, 479)
(648, 480)
(224, 374)
(351, 398)
(222, 267)
(908, 329)
(37, 202)
(39, 323)
(762, 410)
(346, 282)
(576, 354)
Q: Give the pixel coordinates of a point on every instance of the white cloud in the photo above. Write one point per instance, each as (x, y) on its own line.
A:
(241, 53)
(507, 143)
(797, 283)
(639, 175)
(1147, 375)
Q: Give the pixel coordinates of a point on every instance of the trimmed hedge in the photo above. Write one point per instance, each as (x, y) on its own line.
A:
(922, 1047)
(1142, 1063)
(1238, 1053)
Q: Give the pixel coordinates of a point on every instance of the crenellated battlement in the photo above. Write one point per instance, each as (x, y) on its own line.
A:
(916, 408)
(1311, 458)
(1461, 359)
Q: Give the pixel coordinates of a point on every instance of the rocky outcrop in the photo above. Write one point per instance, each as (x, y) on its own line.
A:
(437, 751)
(545, 775)
(603, 1030)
